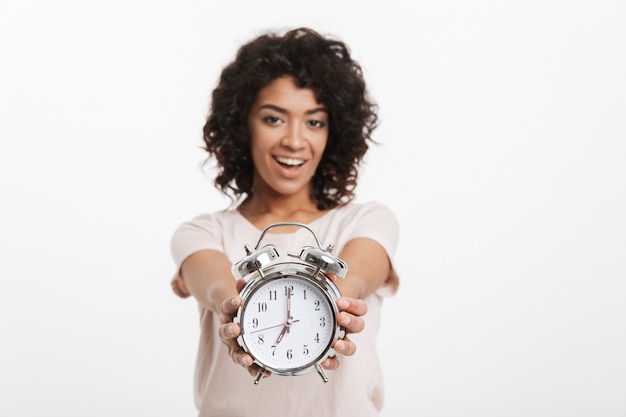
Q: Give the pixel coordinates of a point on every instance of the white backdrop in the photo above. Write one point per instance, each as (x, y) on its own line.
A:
(502, 153)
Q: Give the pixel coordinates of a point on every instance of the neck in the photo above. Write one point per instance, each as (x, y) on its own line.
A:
(263, 210)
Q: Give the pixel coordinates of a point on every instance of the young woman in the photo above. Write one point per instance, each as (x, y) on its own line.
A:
(290, 122)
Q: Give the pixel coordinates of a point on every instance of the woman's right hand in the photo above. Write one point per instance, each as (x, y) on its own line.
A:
(229, 332)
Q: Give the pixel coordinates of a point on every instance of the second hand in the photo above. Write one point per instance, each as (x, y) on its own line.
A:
(271, 327)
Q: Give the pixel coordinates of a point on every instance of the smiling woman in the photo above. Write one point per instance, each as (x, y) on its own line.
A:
(290, 122)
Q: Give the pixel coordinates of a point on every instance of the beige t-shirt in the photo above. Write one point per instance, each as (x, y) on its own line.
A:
(225, 389)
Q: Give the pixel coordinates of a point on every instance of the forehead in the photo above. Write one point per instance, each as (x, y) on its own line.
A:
(286, 91)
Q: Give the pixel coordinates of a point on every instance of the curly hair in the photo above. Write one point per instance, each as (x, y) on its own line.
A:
(321, 64)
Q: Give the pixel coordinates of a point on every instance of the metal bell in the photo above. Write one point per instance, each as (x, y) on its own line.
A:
(254, 261)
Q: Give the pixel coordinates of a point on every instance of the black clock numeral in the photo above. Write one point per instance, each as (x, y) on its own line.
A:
(317, 337)
(305, 350)
(260, 339)
(273, 349)
(262, 307)
(288, 290)
(304, 294)
(289, 354)
(255, 323)
(322, 321)
(317, 305)
(272, 295)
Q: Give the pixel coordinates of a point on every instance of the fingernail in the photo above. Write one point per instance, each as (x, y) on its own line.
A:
(245, 361)
(234, 301)
(343, 303)
(230, 330)
(340, 346)
(345, 319)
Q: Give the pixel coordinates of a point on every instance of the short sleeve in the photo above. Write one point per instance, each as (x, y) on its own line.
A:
(201, 233)
(377, 222)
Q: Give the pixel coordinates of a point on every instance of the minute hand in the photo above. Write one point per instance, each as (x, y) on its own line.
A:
(289, 318)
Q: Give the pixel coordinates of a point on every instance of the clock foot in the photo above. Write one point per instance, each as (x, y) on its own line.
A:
(259, 375)
(321, 372)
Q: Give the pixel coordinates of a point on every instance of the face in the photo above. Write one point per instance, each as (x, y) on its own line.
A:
(288, 134)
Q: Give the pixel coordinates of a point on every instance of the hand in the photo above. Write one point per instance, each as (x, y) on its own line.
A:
(350, 318)
(229, 332)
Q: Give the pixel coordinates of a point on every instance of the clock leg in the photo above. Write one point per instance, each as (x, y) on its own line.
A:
(259, 375)
(321, 372)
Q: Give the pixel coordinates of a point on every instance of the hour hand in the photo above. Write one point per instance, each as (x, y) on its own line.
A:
(282, 333)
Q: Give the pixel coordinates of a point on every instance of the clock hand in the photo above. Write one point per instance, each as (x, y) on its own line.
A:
(285, 329)
(271, 327)
(289, 317)
(282, 333)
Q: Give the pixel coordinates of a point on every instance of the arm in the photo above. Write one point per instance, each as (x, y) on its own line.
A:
(368, 268)
(207, 276)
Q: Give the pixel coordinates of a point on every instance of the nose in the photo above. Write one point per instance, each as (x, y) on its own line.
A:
(293, 137)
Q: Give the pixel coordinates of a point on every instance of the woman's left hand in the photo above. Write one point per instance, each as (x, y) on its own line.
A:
(350, 318)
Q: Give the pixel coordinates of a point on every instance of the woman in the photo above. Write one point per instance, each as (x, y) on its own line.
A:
(290, 122)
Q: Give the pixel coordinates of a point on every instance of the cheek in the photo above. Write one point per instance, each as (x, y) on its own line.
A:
(320, 147)
(258, 142)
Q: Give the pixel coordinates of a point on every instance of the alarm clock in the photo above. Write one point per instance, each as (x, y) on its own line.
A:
(288, 317)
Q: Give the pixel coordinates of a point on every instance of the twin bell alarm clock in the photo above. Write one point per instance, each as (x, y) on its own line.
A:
(288, 317)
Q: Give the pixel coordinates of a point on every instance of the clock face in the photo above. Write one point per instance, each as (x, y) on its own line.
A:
(288, 322)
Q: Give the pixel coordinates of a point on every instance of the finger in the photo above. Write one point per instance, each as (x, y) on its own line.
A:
(334, 278)
(229, 307)
(243, 359)
(352, 305)
(229, 331)
(330, 363)
(345, 346)
(350, 322)
(239, 284)
(254, 370)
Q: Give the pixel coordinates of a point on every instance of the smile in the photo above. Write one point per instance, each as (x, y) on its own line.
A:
(289, 161)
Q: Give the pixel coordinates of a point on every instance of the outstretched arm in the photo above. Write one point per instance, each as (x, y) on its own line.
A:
(368, 268)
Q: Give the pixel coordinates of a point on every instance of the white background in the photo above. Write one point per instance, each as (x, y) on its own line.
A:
(502, 153)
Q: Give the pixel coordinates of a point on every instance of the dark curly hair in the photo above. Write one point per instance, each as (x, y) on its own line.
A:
(315, 62)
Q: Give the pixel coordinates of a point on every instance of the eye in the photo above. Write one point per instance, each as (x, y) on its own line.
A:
(316, 123)
(272, 120)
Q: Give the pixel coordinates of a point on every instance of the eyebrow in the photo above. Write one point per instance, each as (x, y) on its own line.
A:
(284, 111)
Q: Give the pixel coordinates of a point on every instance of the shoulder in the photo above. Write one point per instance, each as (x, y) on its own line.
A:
(210, 219)
(372, 219)
(204, 231)
(366, 212)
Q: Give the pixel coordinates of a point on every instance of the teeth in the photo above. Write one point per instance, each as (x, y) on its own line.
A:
(289, 161)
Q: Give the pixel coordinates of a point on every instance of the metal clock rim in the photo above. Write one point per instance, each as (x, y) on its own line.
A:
(327, 288)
